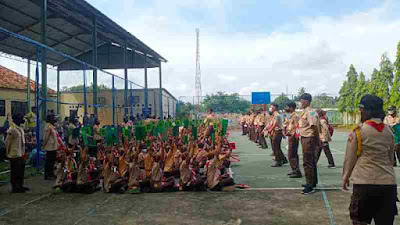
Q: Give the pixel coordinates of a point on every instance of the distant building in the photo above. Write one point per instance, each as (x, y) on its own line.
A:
(105, 99)
(13, 94)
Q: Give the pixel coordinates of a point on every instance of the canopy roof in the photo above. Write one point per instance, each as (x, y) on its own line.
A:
(69, 30)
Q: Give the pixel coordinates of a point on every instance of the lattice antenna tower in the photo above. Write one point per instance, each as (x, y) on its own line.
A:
(198, 71)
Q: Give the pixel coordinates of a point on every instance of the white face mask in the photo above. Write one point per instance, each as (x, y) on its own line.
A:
(271, 109)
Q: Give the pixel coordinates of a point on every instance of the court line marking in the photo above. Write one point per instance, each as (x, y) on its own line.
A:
(327, 204)
(26, 203)
(93, 210)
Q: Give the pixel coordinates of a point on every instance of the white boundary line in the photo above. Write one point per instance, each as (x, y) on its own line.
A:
(26, 203)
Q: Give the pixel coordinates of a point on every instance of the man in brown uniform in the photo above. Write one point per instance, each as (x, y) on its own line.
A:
(15, 148)
(290, 125)
(391, 120)
(368, 165)
(309, 128)
(325, 138)
(261, 136)
(276, 133)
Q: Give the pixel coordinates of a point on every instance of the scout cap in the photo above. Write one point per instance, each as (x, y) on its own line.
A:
(371, 102)
(306, 97)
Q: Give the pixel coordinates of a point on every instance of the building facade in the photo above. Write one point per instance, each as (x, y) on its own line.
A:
(73, 104)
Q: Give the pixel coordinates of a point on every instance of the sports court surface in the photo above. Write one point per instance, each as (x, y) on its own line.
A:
(272, 199)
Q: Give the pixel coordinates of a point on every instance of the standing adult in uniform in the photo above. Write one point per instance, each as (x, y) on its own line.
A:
(15, 148)
(276, 133)
(309, 128)
(291, 125)
(261, 136)
(368, 164)
(391, 120)
(50, 145)
(325, 138)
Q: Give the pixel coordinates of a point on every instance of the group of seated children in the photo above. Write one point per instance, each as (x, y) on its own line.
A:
(155, 165)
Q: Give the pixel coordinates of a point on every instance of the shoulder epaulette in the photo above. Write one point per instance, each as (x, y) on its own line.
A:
(356, 129)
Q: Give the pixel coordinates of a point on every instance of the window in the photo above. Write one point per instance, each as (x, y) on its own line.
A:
(2, 108)
(136, 99)
(18, 107)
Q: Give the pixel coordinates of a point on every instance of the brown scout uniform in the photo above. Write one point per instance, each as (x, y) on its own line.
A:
(309, 127)
(277, 136)
(293, 142)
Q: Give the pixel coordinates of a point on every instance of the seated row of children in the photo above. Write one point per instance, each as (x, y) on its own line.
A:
(156, 165)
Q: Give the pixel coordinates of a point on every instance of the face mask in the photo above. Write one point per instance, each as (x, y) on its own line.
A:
(270, 109)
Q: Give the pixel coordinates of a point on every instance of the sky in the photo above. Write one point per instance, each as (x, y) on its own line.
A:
(256, 45)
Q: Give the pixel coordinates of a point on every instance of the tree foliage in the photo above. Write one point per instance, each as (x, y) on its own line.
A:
(183, 109)
(225, 103)
(89, 88)
(324, 101)
(281, 101)
(384, 82)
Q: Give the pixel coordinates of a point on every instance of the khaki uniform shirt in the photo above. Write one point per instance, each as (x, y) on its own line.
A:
(15, 142)
(50, 142)
(308, 120)
(213, 173)
(325, 135)
(391, 121)
(278, 121)
(291, 124)
(185, 172)
(375, 164)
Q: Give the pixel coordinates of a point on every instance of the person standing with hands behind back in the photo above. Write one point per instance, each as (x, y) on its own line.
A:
(309, 129)
(50, 145)
(15, 148)
(368, 164)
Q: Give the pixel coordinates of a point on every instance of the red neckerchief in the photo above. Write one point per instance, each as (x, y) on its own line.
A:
(378, 126)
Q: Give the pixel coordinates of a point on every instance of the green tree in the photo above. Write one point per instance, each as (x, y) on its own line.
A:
(384, 80)
(324, 101)
(361, 89)
(89, 88)
(373, 83)
(281, 101)
(301, 91)
(184, 109)
(347, 92)
(225, 103)
(395, 90)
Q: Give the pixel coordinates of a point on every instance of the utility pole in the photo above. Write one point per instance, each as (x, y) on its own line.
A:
(198, 74)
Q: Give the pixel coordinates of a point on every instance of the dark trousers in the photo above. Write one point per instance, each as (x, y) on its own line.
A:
(276, 146)
(309, 145)
(49, 165)
(376, 202)
(244, 129)
(261, 137)
(17, 167)
(293, 155)
(328, 154)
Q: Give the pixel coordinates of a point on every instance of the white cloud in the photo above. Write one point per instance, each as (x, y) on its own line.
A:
(317, 57)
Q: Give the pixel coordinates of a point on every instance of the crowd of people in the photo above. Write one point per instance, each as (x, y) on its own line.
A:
(182, 157)
(372, 148)
(311, 128)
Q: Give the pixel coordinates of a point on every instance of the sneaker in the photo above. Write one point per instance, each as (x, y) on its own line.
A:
(332, 167)
(26, 188)
(276, 164)
(308, 190)
(290, 173)
(296, 175)
(285, 161)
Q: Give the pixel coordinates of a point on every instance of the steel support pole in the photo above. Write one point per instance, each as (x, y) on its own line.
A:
(28, 87)
(168, 105)
(43, 24)
(131, 100)
(113, 100)
(58, 91)
(126, 111)
(161, 96)
(85, 112)
(146, 90)
(94, 62)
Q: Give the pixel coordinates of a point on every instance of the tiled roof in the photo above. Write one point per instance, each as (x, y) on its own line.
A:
(12, 80)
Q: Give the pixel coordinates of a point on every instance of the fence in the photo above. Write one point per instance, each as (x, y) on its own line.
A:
(77, 97)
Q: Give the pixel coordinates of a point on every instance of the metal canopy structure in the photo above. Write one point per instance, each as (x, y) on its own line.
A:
(69, 29)
(75, 28)
(111, 56)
